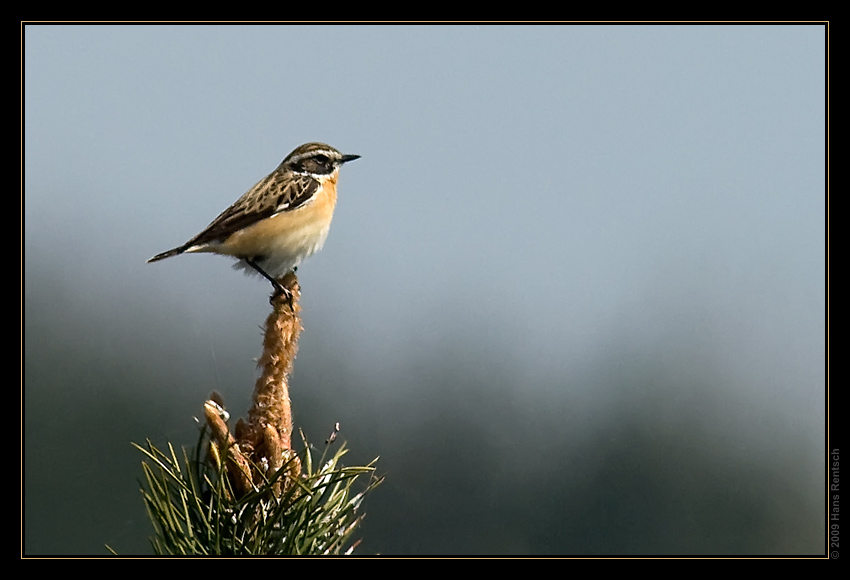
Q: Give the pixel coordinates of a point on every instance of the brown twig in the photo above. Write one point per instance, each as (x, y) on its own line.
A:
(263, 444)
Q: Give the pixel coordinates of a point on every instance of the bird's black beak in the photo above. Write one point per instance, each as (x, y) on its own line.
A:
(347, 158)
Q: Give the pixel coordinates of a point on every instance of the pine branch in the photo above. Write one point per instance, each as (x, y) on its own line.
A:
(195, 510)
(247, 492)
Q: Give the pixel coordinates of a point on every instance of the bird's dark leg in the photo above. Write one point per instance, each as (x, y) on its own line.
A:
(278, 289)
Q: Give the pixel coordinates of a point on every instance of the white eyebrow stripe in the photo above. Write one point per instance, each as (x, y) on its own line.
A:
(314, 153)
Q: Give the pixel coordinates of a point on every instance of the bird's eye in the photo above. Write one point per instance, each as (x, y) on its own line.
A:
(321, 159)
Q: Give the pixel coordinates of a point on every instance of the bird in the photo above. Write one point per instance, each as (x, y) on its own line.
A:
(282, 220)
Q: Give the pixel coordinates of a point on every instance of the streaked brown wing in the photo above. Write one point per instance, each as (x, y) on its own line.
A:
(276, 193)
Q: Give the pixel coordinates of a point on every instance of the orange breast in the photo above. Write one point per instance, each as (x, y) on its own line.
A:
(301, 231)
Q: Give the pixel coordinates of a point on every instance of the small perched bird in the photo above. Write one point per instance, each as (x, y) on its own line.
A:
(280, 221)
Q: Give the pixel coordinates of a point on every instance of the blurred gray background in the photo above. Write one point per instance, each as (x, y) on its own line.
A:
(573, 296)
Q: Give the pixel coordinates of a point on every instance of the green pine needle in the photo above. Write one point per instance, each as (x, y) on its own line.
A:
(195, 511)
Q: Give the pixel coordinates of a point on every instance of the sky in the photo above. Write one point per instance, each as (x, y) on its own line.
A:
(553, 232)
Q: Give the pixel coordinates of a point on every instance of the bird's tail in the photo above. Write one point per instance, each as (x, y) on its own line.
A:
(172, 252)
